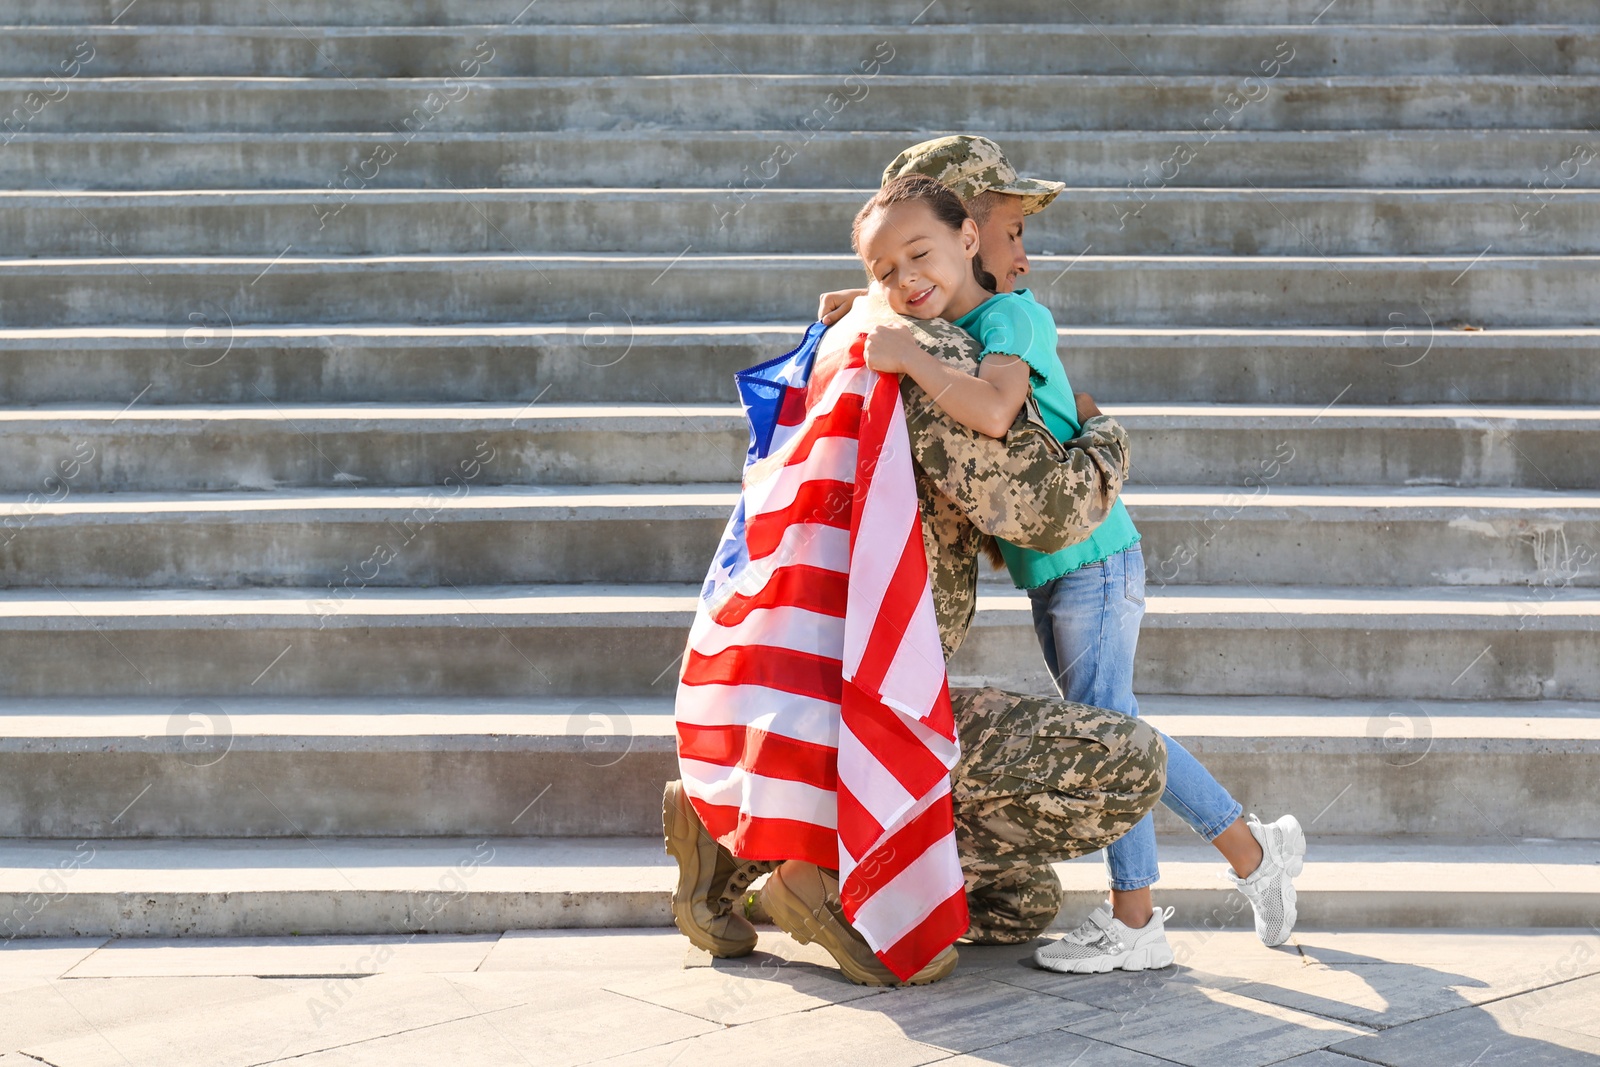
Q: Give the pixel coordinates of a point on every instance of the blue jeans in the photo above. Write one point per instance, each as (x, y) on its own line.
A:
(1088, 627)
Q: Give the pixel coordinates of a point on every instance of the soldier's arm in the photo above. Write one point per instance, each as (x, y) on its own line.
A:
(1027, 488)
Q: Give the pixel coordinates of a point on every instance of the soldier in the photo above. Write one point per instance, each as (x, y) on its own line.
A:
(1087, 601)
(1039, 780)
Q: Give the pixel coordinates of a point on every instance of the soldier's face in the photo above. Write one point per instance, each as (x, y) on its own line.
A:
(923, 265)
(1000, 242)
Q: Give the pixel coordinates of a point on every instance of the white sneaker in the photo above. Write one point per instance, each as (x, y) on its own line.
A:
(1103, 943)
(1270, 887)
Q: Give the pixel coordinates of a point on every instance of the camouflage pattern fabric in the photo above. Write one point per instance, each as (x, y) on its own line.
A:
(1029, 488)
(968, 166)
(1041, 780)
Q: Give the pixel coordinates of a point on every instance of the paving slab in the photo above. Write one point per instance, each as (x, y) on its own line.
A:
(1055, 1048)
(295, 1021)
(835, 1036)
(646, 997)
(968, 1012)
(611, 953)
(1555, 1027)
(764, 985)
(285, 956)
(1206, 1027)
(606, 1025)
(68, 1011)
(1506, 962)
(1408, 976)
(44, 957)
(1571, 1006)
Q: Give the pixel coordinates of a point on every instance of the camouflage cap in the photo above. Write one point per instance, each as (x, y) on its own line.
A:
(971, 165)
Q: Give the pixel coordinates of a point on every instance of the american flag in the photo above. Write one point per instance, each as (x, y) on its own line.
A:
(813, 712)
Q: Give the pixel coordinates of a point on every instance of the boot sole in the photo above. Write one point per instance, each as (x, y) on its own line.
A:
(679, 833)
(790, 913)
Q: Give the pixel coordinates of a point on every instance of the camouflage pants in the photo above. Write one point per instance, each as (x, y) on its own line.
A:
(1041, 780)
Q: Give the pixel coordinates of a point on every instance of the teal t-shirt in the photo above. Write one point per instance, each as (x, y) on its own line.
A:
(1017, 324)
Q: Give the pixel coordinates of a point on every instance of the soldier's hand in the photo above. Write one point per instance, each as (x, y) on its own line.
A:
(889, 348)
(831, 307)
(1087, 408)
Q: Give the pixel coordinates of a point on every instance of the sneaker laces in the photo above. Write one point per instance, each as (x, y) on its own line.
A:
(1096, 932)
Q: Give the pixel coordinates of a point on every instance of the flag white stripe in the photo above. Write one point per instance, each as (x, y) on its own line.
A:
(824, 548)
(881, 539)
(800, 718)
(900, 905)
(916, 676)
(758, 795)
(878, 791)
(832, 458)
(792, 628)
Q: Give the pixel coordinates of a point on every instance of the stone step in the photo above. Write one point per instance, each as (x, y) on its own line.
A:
(50, 451)
(1105, 220)
(612, 288)
(285, 50)
(209, 361)
(1541, 160)
(1452, 643)
(803, 103)
(1465, 643)
(263, 767)
(1270, 534)
(232, 888)
(512, 12)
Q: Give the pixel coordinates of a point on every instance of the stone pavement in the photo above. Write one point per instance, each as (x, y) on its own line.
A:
(1405, 998)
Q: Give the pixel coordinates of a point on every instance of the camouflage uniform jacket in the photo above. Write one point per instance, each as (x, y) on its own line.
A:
(1028, 489)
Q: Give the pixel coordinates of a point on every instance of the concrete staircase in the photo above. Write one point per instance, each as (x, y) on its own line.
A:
(368, 424)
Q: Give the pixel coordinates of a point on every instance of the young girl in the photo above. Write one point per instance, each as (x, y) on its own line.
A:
(920, 247)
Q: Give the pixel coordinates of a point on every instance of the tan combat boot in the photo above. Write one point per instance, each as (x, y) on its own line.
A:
(803, 899)
(710, 881)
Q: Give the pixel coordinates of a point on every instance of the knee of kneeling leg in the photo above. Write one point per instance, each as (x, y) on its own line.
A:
(1147, 758)
(1011, 919)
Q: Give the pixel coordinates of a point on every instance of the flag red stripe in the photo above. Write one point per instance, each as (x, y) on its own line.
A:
(753, 838)
(818, 502)
(943, 717)
(880, 729)
(792, 409)
(775, 668)
(900, 602)
(927, 939)
(758, 751)
(883, 864)
(794, 586)
(863, 829)
(840, 421)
